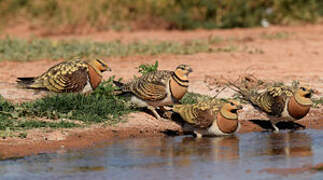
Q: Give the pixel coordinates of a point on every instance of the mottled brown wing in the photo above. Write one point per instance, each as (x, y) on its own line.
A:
(204, 118)
(62, 67)
(59, 77)
(271, 102)
(278, 106)
(151, 86)
(72, 81)
(199, 115)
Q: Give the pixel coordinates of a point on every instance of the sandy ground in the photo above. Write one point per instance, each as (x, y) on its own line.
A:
(299, 56)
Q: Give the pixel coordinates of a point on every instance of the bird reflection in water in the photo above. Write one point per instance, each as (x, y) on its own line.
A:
(183, 152)
(291, 144)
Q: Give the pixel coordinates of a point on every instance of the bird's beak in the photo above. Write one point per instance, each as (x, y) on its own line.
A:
(106, 69)
(308, 95)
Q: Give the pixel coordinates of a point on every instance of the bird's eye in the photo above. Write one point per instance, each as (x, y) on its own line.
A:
(102, 64)
(303, 89)
(231, 103)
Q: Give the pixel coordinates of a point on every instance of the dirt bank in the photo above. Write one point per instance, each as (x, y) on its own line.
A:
(297, 56)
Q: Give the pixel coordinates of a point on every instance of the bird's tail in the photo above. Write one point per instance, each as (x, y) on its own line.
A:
(25, 81)
(244, 93)
(118, 84)
(120, 90)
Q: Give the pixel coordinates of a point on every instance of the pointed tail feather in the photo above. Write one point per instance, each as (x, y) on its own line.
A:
(120, 91)
(118, 83)
(25, 81)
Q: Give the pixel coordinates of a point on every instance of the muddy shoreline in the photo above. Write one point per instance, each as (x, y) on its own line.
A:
(79, 138)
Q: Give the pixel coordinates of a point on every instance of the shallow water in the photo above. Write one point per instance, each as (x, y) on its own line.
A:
(240, 157)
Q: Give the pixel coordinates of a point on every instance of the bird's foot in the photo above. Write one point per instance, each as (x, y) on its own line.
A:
(276, 129)
(167, 115)
(197, 134)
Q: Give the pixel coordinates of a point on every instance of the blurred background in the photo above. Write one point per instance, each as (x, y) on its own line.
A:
(79, 16)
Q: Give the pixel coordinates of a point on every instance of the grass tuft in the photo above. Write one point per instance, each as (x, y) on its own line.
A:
(40, 124)
(99, 106)
(317, 102)
(10, 124)
(5, 106)
(146, 68)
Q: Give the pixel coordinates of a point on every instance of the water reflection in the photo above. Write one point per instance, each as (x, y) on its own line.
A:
(292, 144)
(183, 152)
(289, 144)
(86, 169)
(177, 157)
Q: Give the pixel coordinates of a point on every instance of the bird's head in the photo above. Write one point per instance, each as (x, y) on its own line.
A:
(303, 95)
(230, 109)
(99, 65)
(183, 70)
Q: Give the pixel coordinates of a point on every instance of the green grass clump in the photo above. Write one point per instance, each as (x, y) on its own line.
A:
(18, 124)
(11, 119)
(99, 106)
(317, 102)
(5, 106)
(147, 68)
(6, 113)
(29, 124)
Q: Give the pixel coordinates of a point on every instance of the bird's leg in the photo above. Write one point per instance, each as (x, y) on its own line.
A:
(276, 129)
(87, 93)
(165, 108)
(153, 110)
(198, 135)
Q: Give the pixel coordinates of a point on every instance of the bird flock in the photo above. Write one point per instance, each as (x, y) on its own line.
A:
(162, 90)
